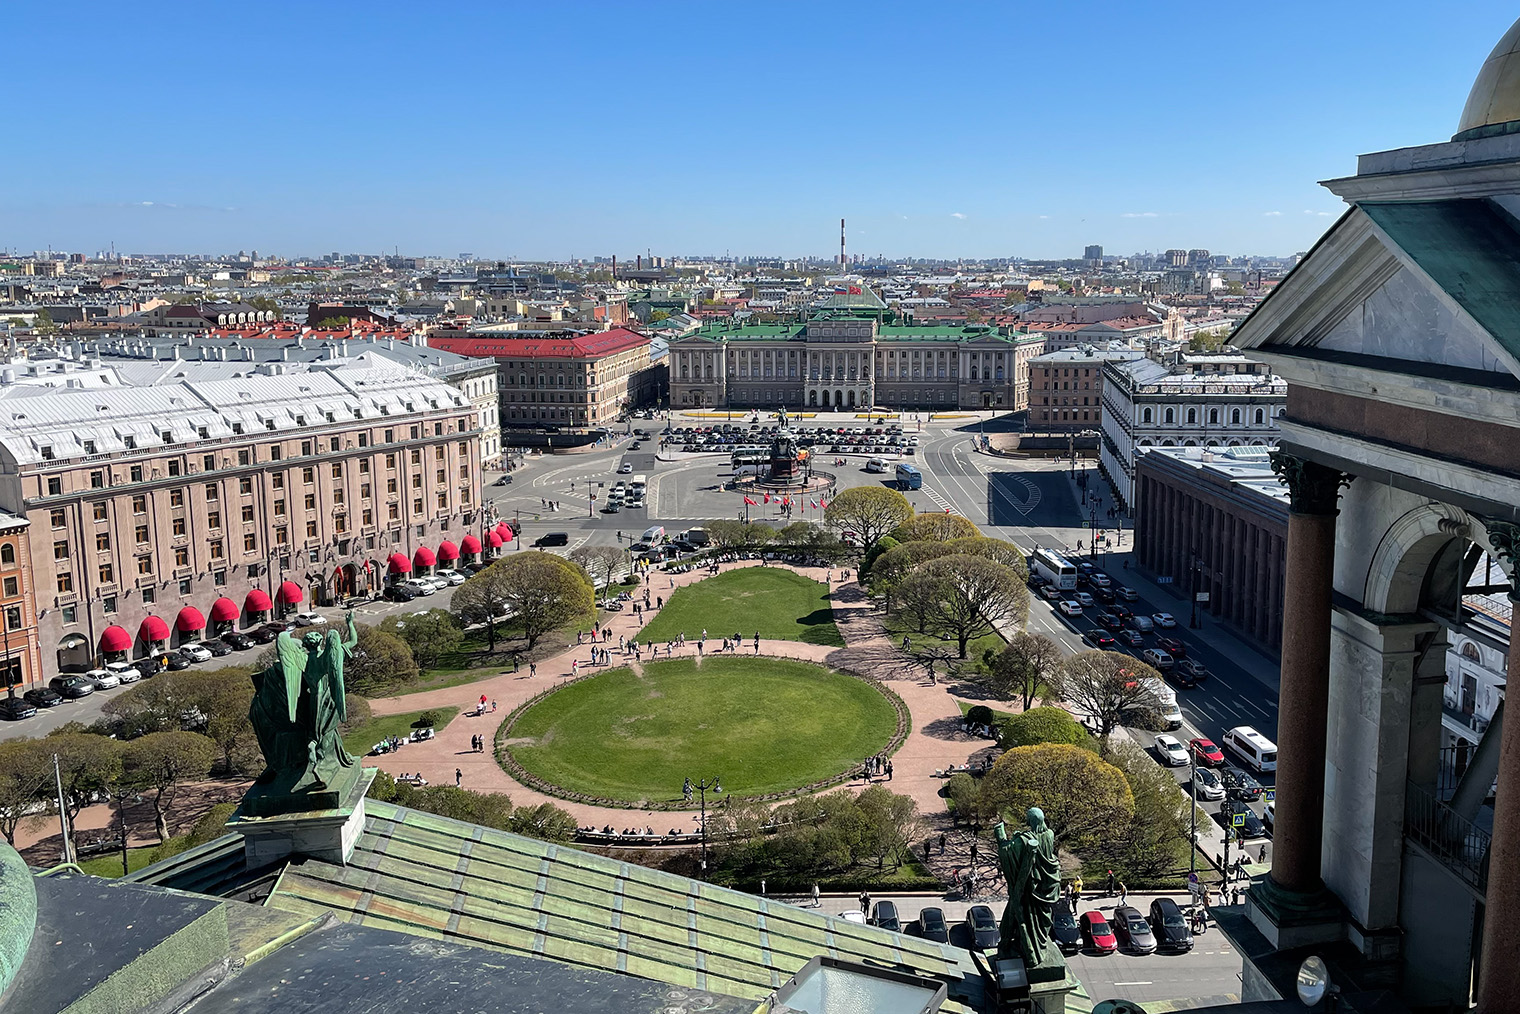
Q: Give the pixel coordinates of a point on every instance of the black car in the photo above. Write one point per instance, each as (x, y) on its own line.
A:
(218, 649)
(1100, 639)
(1110, 621)
(241, 642)
(14, 709)
(263, 635)
(1063, 928)
(1250, 826)
(1170, 927)
(43, 697)
(1133, 638)
(147, 668)
(400, 593)
(1239, 785)
(73, 687)
(177, 662)
(1180, 676)
(884, 914)
(1173, 647)
(931, 925)
(1133, 931)
(982, 927)
(1105, 595)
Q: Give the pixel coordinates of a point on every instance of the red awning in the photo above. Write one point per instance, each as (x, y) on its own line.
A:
(504, 530)
(447, 551)
(153, 629)
(189, 619)
(469, 545)
(424, 557)
(223, 610)
(115, 639)
(494, 540)
(257, 602)
(290, 593)
(400, 564)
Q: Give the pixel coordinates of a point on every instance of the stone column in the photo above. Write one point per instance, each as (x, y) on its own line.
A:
(1499, 972)
(1304, 694)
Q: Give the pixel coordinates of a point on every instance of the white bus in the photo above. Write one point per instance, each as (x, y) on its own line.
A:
(637, 486)
(1055, 569)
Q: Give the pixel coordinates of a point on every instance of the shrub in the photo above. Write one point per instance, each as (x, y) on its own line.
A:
(1042, 725)
(428, 719)
(1084, 797)
(980, 715)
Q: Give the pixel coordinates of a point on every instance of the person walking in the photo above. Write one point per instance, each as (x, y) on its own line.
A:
(1076, 890)
(941, 844)
(889, 771)
(458, 778)
(865, 904)
(532, 668)
(1262, 856)
(817, 902)
(1123, 893)
(1111, 882)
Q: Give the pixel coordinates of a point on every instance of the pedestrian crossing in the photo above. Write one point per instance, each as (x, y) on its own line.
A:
(933, 494)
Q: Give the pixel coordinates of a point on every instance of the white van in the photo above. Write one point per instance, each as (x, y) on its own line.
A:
(876, 465)
(654, 536)
(637, 486)
(1257, 751)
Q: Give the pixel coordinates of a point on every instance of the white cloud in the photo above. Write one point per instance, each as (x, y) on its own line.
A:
(1272, 214)
(1140, 214)
(957, 214)
(1044, 216)
(1319, 214)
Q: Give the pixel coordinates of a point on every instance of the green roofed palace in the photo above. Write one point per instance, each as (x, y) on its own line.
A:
(853, 352)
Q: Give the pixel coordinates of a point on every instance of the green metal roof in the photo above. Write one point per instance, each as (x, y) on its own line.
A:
(794, 331)
(443, 879)
(1471, 249)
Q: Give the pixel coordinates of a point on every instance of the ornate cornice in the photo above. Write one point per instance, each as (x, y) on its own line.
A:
(1504, 537)
(1312, 488)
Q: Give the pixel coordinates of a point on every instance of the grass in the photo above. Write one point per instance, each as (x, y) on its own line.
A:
(780, 603)
(109, 865)
(897, 629)
(362, 737)
(997, 714)
(759, 724)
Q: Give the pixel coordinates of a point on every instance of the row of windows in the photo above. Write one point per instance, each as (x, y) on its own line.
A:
(1169, 416)
(246, 455)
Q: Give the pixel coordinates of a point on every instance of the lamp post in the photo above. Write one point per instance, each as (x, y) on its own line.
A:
(701, 787)
(1193, 563)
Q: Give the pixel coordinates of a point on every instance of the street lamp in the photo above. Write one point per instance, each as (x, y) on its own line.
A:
(1193, 564)
(701, 787)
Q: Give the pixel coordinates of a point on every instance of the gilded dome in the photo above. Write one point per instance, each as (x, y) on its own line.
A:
(1493, 105)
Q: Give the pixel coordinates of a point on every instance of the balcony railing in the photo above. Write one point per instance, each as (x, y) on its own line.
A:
(1459, 845)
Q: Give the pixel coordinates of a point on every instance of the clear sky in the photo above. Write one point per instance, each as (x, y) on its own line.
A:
(563, 128)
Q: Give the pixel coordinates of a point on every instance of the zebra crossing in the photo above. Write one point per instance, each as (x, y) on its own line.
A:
(933, 494)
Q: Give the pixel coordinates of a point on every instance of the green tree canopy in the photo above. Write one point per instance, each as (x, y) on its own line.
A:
(1108, 686)
(88, 764)
(545, 592)
(893, 567)
(997, 550)
(430, 635)
(1042, 725)
(483, 598)
(1085, 798)
(1157, 843)
(1024, 669)
(333, 323)
(935, 526)
(160, 762)
(26, 775)
(975, 595)
(381, 661)
(871, 512)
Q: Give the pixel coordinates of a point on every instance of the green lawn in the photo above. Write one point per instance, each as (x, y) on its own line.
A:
(896, 629)
(109, 865)
(758, 724)
(362, 737)
(780, 603)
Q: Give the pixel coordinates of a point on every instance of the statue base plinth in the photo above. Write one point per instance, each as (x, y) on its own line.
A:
(1049, 982)
(324, 825)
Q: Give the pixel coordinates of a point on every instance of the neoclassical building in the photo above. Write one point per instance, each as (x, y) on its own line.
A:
(1400, 448)
(854, 356)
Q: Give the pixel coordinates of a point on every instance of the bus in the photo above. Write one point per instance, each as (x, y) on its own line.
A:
(1055, 569)
(909, 477)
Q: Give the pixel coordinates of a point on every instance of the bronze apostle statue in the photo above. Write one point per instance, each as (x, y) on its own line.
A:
(1027, 858)
(298, 703)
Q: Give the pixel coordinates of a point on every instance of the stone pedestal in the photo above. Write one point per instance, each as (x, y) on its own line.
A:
(1050, 983)
(272, 829)
(1290, 919)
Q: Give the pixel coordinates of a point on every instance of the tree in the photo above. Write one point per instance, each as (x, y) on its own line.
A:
(975, 595)
(333, 323)
(483, 599)
(381, 661)
(160, 762)
(1207, 341)
(979, 714)
(893, 567)
(545, 592)
(602, 562)
(544, 821)
(26, 775)
(1024, 669)
(1042, 725)
(1107, 686)
(917, 597)
(965, 794)
(1085, 798)
(936, 526)
(882, 546)
(1159, 835)
(430, 635)
(997, 550)
(658, 315)
(88, 765)
(42, 322)
(871, 512)
(890, 821)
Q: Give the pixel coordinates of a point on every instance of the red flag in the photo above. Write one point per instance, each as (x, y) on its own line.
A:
(767, 498)
(823, 504)
(750, 502)
(855, 290)
(947, 510)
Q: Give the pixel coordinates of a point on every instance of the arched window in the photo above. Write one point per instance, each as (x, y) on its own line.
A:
(1470, 652)
(1168, 442)
(7, 553)
(1192, 416)
(1147, 416)
(1258, 417)
(1213, 417)
(1234, 417)
(1170, 417)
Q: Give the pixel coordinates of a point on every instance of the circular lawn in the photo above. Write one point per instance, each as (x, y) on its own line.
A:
(761, 725)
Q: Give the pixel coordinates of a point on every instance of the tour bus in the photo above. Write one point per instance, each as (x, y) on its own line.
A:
(1256, 750)
(1055, 569)
(909, 477)
(636, 487)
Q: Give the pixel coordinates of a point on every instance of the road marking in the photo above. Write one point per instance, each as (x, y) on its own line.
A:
(944, 504)
(1146, 983)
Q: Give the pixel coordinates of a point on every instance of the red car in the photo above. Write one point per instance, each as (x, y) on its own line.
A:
(1172, 647)
(1206, 752)
(1096, 933)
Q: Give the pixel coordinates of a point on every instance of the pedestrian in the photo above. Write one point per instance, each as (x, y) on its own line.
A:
(889, 771)
(942, 844)
(865, 903)
(515, 661)
(905, 642)
(817, 903)
(1111, 882)
(1076, 889)
(762, 887)
(493, 704)
(975, 852)
(532, 668)
(1123, 893)
(574, 666)
(1262, 857)
(458, 778)
(659, 602)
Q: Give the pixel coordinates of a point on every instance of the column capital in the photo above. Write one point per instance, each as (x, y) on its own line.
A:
(1504, 537)
(1312, 488)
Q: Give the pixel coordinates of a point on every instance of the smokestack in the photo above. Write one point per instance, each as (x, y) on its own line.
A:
(638, 262)
(843, 264)
(614, 267)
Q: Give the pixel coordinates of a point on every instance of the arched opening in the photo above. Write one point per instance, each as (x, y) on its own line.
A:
(1145, 416)
(1192, 416)
(850, 400)
(812, 399)
(838, 399)
(74, 653)
(1259, 416)
(1234, 417)
(1171, 417)
(1213, 417)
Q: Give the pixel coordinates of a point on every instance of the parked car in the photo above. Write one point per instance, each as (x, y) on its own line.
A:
(453, 577)
(1130, 637)
(72, 687)
(176, 661)
(126, 672)
(1170, 927)
(1206, 752)
(1063, 928)
(1171, 751)
(1127, 594)
(103, 679)
(1239, 785)
(982, 927)
(1206, 785)
(1100, 639)
(147, 668)
(195, 653)
(1250, 824)
(399, 593)
(43, 697)
(884, 915)
(1070, 607)
(218, 649)
(1096, 935)
(931, 925)
(1269, 815)
(1132, 931)
(1166, 621)
(310, 619)
(237, 641)
(15, 709)
(1173, 647)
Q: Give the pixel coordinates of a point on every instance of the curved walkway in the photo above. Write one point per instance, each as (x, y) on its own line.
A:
(935, 741)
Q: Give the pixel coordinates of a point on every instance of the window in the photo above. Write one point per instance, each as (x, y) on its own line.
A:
(108, 604)
(279, 508)
(136, 472)
(248, 512)
(364, 491)
(219, 577)
(244, 457)
(214, 519)
(142, 534)
(184, 586)
(369, 517)
(417, 506)
(245, 484)
(393, 512)
(340, 523)
(107, 573)
(250, 543)
(212, 491)
(390, 461)
(60, 550)
(311, 501)
(103, 541)
(139, 505)
(415, 433)
(276, 452)
(100, 508)
(338, 495)
(417, 481)
(416, 456)
(12, 617)
(281, 536)
(12, 587)
(390, 485)
(70, 614)
(208, 463)
(216, 549)
(57, 517)
(54, 485)
(174, 466)
(443, 500)
(308, 475)
(97, 480)
(1146, 416)
(1171, 416)
(277, 481)
(89, 447)
(65, 581)
(305, 448)
(390, 438)
(181, 556)
(145, 564)
(334, 445)
(311, 529)
(337, 470)
(364, 466)
(1258, 417)
(1234, 417)
(1192, 417)
(177, 526)
(176, 498)
(440, 477)
(1213, 417)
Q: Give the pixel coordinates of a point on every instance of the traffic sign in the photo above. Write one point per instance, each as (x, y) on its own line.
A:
(1193, 879)
(1271, 795)
(1238, 820)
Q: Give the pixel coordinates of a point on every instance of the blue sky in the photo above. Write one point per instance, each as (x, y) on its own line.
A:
(577, 129)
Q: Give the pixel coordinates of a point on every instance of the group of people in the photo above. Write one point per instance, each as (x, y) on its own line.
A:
(412, 779)
(876, 767)
(549, 505)
(478, 743)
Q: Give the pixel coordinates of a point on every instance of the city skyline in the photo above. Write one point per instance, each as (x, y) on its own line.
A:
(687, 131)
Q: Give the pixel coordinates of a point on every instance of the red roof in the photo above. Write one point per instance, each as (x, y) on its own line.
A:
(153, 629)
(190, 618)
(399, 564)
(424, 557)
(447, 551)
(589, 346)
(223, 610)
(469, 544)
(290, 593)
(115, 639)
(257, 602)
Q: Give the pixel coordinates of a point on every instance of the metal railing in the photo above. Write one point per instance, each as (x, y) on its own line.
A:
(1459, 845)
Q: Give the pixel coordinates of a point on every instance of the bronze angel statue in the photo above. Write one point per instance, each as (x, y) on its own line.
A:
(298, 704)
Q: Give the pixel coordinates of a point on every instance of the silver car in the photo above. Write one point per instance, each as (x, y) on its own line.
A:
(1206, 785)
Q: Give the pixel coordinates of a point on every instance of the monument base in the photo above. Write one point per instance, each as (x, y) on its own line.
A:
(273, 826)
(1290, 919)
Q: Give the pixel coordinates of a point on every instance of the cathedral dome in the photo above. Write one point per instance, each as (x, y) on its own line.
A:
(1493, 105)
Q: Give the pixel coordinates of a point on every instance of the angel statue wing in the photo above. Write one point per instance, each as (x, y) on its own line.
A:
(291, 658)
(333, 654)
